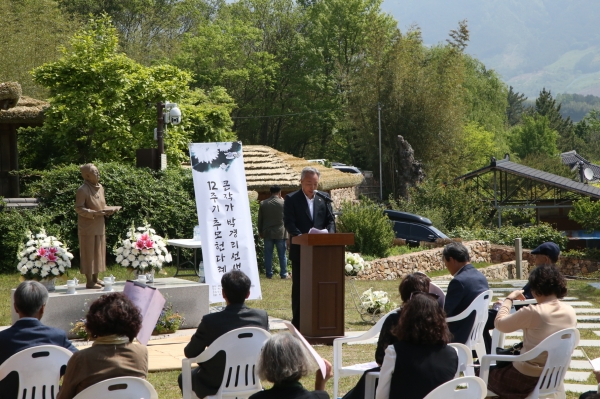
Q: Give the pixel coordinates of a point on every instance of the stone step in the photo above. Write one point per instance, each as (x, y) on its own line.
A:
(586, 310)
(588, 318)
(580, 388)
(577, 353)
(584, 326)
(579, 376)
(580, 365)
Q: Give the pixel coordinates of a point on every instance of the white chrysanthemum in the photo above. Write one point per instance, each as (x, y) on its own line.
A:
(45, 267)
(126, 253)
(37, 263)
(127, 244)
(29, 264)
(24, 269)
(224, 146)
(33, 256)
(55, 271)
(206, 154)
(125, 263)
(61, 268)
(120, 250)
(135, 263)
(35, 270)
(349, 268)
(135, 251)
(145, 251)
(131, 257)
(51, 264)
(150, 251)
(141, 228)
(44, 260)
(69, 255)
(142, 257)
(161, 258)
(152, 231)
(119, 258)
(143, 265)
(43, 273)
(168, 258)
(30, 242)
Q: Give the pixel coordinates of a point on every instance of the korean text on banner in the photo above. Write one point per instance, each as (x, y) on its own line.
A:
(223, 214)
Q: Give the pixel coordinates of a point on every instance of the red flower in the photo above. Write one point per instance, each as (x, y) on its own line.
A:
(42, 252)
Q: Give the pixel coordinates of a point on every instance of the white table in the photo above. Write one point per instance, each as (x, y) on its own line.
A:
(187, 243)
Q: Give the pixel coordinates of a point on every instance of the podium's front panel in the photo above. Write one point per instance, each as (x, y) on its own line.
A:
(322, 293)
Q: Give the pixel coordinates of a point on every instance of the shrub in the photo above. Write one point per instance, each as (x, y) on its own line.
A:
(165, 199)
(373, 233)
(531, 236)
(587, 213)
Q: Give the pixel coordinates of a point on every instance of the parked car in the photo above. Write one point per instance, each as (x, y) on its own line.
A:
(346, 168)
(413, 228)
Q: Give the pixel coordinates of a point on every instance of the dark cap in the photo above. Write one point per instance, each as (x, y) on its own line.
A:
(549, 249)
(275, 189)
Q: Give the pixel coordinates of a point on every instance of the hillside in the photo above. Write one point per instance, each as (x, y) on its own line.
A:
(532, 44)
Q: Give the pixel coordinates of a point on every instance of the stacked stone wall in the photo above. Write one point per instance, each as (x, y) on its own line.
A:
(339, 195)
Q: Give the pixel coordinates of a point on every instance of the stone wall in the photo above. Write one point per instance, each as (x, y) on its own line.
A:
(569, 266)
(504, 271)
(396, 267)
(339, 195)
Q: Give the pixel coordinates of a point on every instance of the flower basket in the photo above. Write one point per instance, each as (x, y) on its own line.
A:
(376, 302)
(43, 258)
(354, 264)
(169, 321)
(142, 250)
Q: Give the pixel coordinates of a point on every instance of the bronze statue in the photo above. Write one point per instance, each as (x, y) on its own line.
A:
(91, 207)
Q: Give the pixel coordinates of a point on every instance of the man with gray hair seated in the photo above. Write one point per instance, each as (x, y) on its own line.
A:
(30, 301)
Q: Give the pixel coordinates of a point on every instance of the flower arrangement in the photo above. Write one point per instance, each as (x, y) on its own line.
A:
(142, 250)
(354, 264)
(79, 329)
(376, 301)
(169, 320)
(43, 257)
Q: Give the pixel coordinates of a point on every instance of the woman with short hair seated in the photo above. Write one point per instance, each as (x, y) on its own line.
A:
(113, 321)
(283, 361)
(420, 360)
(538, 322)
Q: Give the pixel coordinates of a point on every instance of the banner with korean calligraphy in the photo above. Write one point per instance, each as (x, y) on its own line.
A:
(223, 214)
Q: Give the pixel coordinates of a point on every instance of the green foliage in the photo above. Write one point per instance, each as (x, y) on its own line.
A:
(165, 199)
(259, 244)
(448, 206)
(101, 105)
(31, 32)
(515, 108)
(373, 233)
(549, 163)
(531, 236)
(13, 226)
(577, 106)
(534, 136)
(586, 139)
(587, 213)
(478, 148)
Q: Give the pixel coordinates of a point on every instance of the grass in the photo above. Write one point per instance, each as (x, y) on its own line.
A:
(276, 301)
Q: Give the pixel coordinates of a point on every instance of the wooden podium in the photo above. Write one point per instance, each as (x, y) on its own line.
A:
(322, 285)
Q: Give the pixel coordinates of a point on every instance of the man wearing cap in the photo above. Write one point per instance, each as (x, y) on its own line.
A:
(271, 229)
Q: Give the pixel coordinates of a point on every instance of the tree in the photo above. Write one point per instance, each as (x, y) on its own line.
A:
(534, 136)
(586, 213)
(478, 148)
(515, 108)
(546, 106)
(102, 104)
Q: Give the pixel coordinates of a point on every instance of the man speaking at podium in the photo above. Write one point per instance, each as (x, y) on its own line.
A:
(303, 210)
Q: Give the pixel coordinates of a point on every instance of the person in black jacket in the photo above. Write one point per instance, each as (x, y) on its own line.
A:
(283, 361)
(421, 360)
(303, 210)
(207, 378)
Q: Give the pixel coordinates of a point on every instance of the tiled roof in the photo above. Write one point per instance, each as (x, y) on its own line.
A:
(572, 158)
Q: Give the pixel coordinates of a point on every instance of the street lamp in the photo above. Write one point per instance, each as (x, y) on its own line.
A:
(155, 158)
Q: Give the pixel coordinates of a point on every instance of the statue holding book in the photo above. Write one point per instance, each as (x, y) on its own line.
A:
(91, 207)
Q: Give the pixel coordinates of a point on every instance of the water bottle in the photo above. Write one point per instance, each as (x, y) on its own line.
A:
(197, 233)
(201, 273)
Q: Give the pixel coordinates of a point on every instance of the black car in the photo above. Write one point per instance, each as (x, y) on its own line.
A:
(413, 228)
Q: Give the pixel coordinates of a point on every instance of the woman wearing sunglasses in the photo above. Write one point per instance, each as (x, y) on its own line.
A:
(411, 283)
(421, 359)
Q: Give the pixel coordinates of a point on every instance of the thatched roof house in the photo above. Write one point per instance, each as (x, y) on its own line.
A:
(15, 111)
(266, 167)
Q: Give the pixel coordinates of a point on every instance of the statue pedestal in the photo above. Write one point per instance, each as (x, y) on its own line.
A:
(188, 298)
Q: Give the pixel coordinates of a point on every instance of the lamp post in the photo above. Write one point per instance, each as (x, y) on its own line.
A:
(160, 126)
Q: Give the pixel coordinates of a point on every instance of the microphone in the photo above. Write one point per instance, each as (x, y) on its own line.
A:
(326, 198)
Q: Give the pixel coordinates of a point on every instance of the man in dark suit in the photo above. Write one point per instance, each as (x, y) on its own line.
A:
(207, 378)
(303, 210)
(466, 285)
(30, 301)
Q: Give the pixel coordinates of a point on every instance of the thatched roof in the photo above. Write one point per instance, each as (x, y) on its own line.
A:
(266, 167)
(15, 108)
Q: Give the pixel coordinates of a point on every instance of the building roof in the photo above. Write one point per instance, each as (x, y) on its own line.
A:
(266, 167)
(572, 158)
(15, 108)
(546, 178)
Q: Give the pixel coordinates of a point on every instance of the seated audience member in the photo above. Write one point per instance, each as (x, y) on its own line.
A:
(466, 285)
(409, 284)
(593, 394)
(420, 360)
(30, 302)
(207, 378)
(283, 361)
(538, 322)
(113, 321)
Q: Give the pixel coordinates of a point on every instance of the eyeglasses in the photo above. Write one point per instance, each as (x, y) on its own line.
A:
(431, 294)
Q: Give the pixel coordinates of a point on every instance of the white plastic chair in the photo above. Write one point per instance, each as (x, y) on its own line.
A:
(465, 360)
(559, 347)
(39, 370)
(356, 369)
(480, 306)
(455, 389)
(119, 388)
(242, 348)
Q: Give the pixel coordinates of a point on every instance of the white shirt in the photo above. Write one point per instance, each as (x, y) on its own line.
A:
(385, 375)
(311, 206)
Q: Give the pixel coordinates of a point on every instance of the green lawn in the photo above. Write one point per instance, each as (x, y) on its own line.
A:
(276, 300)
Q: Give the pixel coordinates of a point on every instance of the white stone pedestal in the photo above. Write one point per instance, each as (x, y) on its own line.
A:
(63, 310)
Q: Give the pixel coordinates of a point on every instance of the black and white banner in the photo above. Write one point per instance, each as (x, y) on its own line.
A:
(223, 214)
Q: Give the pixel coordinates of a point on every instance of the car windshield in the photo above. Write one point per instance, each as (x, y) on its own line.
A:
(439, 233)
